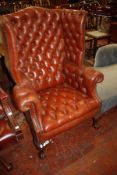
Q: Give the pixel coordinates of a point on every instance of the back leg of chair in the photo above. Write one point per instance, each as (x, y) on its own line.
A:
(41, 153)
(42, 147)
(8, 166)
(95, 121)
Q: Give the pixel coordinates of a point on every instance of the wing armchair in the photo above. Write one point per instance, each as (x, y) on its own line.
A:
(44, 49)
(9, 129)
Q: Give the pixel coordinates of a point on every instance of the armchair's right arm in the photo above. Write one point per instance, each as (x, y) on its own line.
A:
(83, 78)
(26, 99)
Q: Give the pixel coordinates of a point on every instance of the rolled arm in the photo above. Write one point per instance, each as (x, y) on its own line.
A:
(83, 78)
(26, 99)
(91, 78)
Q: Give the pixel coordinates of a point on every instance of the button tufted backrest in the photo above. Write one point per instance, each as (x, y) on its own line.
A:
(35, 46)
(37, 41)
(74, 29)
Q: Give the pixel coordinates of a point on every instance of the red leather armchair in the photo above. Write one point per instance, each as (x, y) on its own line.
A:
(9, 129)
(44, 49)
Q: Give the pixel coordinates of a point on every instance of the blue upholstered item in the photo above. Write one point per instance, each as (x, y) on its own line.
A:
(106, 55)
(106, 62)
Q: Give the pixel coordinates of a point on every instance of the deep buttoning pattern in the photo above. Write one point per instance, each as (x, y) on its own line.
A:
(46, 46)
(56, 110)
(40, 46)
(43, 40)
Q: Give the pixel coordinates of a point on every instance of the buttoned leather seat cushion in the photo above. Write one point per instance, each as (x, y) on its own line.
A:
(62, 104)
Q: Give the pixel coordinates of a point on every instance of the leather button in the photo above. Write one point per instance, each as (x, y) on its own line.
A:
(43, 112)
(53, 115)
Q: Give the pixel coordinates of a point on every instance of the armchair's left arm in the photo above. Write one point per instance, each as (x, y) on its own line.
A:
(83, 78)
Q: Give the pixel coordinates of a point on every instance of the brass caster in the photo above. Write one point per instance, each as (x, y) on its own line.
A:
(41, 154)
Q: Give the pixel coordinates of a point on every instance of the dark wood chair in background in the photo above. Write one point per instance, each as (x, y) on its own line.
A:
(5, 8)
(88, 47)
(44, 50)
(44, 3)
(94, 29)
(9, 129)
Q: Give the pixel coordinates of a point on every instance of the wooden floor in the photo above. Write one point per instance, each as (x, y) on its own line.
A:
(80, 151)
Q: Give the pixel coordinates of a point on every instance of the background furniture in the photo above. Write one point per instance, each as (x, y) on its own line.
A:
(96, 32)
(6, 81)
(9, 129)
(106, 62)
(44, 49)
(113, 31)
(88, 46)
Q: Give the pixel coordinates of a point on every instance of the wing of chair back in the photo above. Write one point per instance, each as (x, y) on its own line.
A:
(44, 49)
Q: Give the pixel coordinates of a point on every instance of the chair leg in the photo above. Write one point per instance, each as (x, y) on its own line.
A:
(42, 147)
(8, 166)
(95, 123)
(41, 153)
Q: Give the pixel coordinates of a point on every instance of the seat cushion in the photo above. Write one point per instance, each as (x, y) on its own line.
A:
(63, 104)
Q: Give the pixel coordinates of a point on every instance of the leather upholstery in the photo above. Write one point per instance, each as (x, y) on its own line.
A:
(44, 50)
(39, 42)
(56, 110)
(38, 50)
(73, 27)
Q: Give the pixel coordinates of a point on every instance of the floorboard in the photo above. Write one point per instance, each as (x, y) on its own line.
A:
(80, 151)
